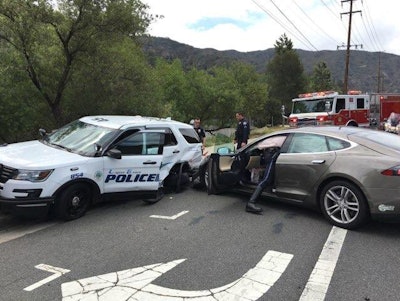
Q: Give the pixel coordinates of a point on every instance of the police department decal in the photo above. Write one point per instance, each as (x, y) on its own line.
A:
(130, 176)
(77, 175)
(98, 174)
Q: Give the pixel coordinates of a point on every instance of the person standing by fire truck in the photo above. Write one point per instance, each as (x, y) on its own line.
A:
(242, 132)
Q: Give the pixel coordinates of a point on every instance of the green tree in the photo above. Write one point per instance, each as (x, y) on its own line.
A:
(54, 42)
(171, 79)
(21, 113)
(321, 78)
(252, 90)
(285, 77)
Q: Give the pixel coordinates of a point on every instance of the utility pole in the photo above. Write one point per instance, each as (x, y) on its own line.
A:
(380, 77)
(379, 72)
(346, 72)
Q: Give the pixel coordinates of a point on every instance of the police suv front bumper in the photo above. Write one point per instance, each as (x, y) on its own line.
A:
(26, 206)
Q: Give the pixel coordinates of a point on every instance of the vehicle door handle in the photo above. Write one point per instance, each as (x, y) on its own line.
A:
(318, 161)
(149, 162)
(175, 151)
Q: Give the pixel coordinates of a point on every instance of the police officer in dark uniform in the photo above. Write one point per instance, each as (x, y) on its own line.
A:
(200, 131)
(242, 130)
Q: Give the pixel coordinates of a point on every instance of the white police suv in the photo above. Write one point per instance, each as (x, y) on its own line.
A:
(97, 158)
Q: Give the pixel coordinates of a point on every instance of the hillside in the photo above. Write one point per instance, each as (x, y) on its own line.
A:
(363, 69)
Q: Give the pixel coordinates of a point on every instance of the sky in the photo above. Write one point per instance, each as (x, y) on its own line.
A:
(251, 25)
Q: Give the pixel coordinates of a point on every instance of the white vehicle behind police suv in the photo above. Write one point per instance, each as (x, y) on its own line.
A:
(97, 158)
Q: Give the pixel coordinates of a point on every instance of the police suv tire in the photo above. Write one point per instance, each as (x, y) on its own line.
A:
(73, 202)
(344, 205)
(199, 181)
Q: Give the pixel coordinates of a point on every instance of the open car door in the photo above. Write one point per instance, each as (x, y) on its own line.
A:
(222, 172)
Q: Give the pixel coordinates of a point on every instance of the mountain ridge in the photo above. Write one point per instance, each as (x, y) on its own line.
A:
(363, 67)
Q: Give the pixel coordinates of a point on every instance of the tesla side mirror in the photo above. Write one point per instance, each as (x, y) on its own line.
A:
(224, 150)
(114, 153)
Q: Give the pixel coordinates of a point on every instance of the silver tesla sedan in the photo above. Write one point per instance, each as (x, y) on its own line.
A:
(350, 174)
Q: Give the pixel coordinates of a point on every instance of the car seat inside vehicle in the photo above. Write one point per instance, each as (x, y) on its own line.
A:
(225, 163)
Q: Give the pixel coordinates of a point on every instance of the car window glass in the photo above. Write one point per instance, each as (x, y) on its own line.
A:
(307, 143)
(190, 135)
(379, 137)
(170, 139)
(337, 144)
(274, 141)
(270, 142)
(141, 144)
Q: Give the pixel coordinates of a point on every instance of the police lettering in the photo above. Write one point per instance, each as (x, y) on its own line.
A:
(132, 178)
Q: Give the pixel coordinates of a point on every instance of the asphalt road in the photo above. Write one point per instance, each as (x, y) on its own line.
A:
(211, 241)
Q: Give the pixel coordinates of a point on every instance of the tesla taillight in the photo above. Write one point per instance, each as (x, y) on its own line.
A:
(394, 171)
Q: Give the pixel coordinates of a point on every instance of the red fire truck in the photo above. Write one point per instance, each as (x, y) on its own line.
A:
(331, 108)
(382, 106)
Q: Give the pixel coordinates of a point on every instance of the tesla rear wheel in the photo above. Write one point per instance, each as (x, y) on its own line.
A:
(73, 202)
(344, 205)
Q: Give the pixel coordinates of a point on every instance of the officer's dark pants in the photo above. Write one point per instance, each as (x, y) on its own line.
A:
(267, 180)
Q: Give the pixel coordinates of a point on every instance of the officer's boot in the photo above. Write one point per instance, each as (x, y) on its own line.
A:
(251, 206)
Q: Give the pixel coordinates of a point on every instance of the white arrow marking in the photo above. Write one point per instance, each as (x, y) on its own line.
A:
(57, 272)
(170, 217)
(135, 284)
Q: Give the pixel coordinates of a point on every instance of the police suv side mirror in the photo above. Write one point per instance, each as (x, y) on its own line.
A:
(42, 132)
(114, 153)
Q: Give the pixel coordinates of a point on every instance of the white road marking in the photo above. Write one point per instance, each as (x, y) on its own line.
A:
(318, 283)
(16, 232)
(135, 284)
(170, 217)
(57, 272)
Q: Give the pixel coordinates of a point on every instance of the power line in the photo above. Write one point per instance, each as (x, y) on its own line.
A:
(295, 27)
(280, 23)
(375, 37)
(313, 22)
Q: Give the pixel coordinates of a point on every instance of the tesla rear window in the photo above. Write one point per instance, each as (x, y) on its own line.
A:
(387, 139)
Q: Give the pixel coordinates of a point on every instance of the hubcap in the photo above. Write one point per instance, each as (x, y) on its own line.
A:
(341, 204)
(75, 201)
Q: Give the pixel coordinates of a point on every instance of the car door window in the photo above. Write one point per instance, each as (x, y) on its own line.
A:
(141, 144)
(337, 144)
(308, 143)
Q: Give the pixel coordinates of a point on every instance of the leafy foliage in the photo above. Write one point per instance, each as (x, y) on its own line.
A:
(53, 43)
(285, 76)
(321, 78)
(85, 57)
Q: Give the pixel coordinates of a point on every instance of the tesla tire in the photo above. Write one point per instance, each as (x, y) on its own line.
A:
(210, 177)
(344, 205)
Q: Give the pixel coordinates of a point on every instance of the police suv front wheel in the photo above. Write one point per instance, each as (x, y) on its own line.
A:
(73, 202)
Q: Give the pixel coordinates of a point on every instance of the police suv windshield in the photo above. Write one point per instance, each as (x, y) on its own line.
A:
(80, 137)
(312, 105)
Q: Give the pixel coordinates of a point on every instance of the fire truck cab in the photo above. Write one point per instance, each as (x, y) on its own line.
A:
(330, 108)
